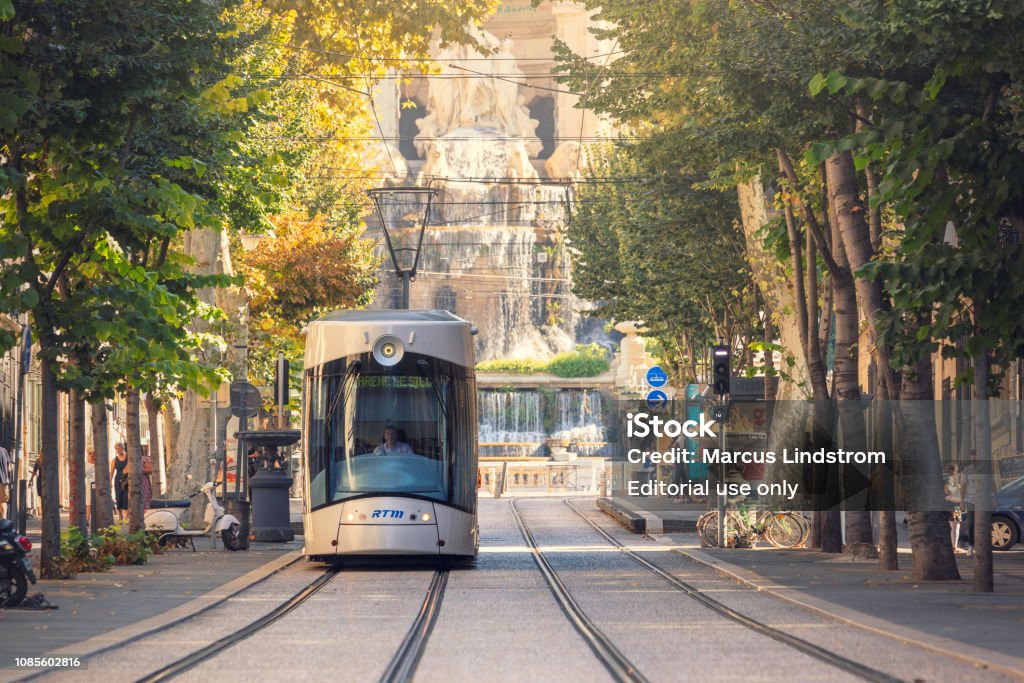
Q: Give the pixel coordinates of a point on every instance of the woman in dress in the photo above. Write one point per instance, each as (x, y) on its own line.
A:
(954, 498)
(118, 472)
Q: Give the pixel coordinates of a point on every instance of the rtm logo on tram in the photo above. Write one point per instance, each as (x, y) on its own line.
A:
(385, 514)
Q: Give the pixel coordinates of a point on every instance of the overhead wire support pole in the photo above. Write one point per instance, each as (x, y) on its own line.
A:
(401, 255)
(721, 477)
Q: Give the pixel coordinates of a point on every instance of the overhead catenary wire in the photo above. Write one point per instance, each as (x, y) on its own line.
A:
(376, 119)
(501, 277)
(482, 293)
(515, 82)
(454, 138)
(414, 60)
(470, 74)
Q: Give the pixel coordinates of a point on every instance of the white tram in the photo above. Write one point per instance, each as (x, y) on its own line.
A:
(390, 427)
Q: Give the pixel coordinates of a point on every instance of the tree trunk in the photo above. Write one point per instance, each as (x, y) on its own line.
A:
(134, 466)
(156, 446)
(883, 441)
(789, 414)
(854, 481)
(931, 550)
(842, 180)
(871, 182)
(104, 511)
(827, 533)
(171, 413)
(49, 473)
(195, 445)
(983, 580)
(76, 462)
(776, 287)
(193, 453)
(814, 357)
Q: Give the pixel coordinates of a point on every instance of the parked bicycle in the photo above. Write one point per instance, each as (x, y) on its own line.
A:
(746, 525)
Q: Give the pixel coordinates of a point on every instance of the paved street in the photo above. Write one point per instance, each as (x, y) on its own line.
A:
(499, 621)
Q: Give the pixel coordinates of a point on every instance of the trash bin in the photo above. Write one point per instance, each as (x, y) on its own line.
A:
(240, 508)
(271, 513)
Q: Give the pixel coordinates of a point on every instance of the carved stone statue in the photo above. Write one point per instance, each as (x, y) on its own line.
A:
(463, 99)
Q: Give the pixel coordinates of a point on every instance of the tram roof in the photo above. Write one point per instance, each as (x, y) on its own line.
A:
(436, 333)
(390, 315)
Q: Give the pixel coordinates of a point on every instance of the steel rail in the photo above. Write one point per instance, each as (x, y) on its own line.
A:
(848, 665)
(213, 649)
(407, 658)
(620, 668)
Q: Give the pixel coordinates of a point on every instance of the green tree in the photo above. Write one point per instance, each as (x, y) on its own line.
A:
(946, 134)
(80, 183)
(662, 252)
(726, 84)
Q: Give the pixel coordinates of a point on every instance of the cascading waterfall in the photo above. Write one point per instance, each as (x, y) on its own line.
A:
(579, 416)
(501, 278)
(512, 422)
(510, 417)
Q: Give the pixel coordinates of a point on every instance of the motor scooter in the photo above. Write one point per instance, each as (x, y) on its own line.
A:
(15, 565)
(164, 519)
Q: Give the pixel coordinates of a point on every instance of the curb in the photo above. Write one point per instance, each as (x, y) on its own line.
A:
(140, 629)
(629, 519)
(1007, 664)
(643, 522)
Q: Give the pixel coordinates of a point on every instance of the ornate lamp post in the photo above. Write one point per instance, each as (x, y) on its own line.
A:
(403, 214)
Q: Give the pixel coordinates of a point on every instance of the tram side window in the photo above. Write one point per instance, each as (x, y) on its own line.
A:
(324, 425)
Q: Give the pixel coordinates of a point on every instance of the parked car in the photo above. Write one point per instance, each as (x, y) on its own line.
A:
(1008, 515)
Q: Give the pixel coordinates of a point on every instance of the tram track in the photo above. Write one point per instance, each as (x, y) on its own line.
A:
(407, 657)
(616, 663)
(196, 658)
(401, 668)
(804, 646)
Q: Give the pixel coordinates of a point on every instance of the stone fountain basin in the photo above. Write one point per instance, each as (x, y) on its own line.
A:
(270, 438)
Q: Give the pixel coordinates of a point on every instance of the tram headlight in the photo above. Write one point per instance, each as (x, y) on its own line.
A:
(425, 516)
(388, 350)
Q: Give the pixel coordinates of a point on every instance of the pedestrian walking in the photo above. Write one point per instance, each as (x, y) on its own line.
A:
(90, 481)
(955, 501)
(119, 475)
(6, 479)
(37, 477)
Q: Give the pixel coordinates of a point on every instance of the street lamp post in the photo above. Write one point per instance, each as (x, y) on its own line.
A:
(403, 213)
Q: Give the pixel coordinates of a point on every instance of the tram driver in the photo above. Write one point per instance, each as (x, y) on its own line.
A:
(393, 442)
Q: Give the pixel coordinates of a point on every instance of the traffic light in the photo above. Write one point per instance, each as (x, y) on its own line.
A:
(720, 372)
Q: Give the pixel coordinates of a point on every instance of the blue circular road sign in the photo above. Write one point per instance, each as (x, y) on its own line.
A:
(657, 399)
(656, 377)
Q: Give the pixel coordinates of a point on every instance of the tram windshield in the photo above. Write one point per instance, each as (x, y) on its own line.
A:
(380, 430)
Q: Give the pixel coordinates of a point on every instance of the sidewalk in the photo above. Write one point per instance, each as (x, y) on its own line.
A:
(97, 609)
(943, 616)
